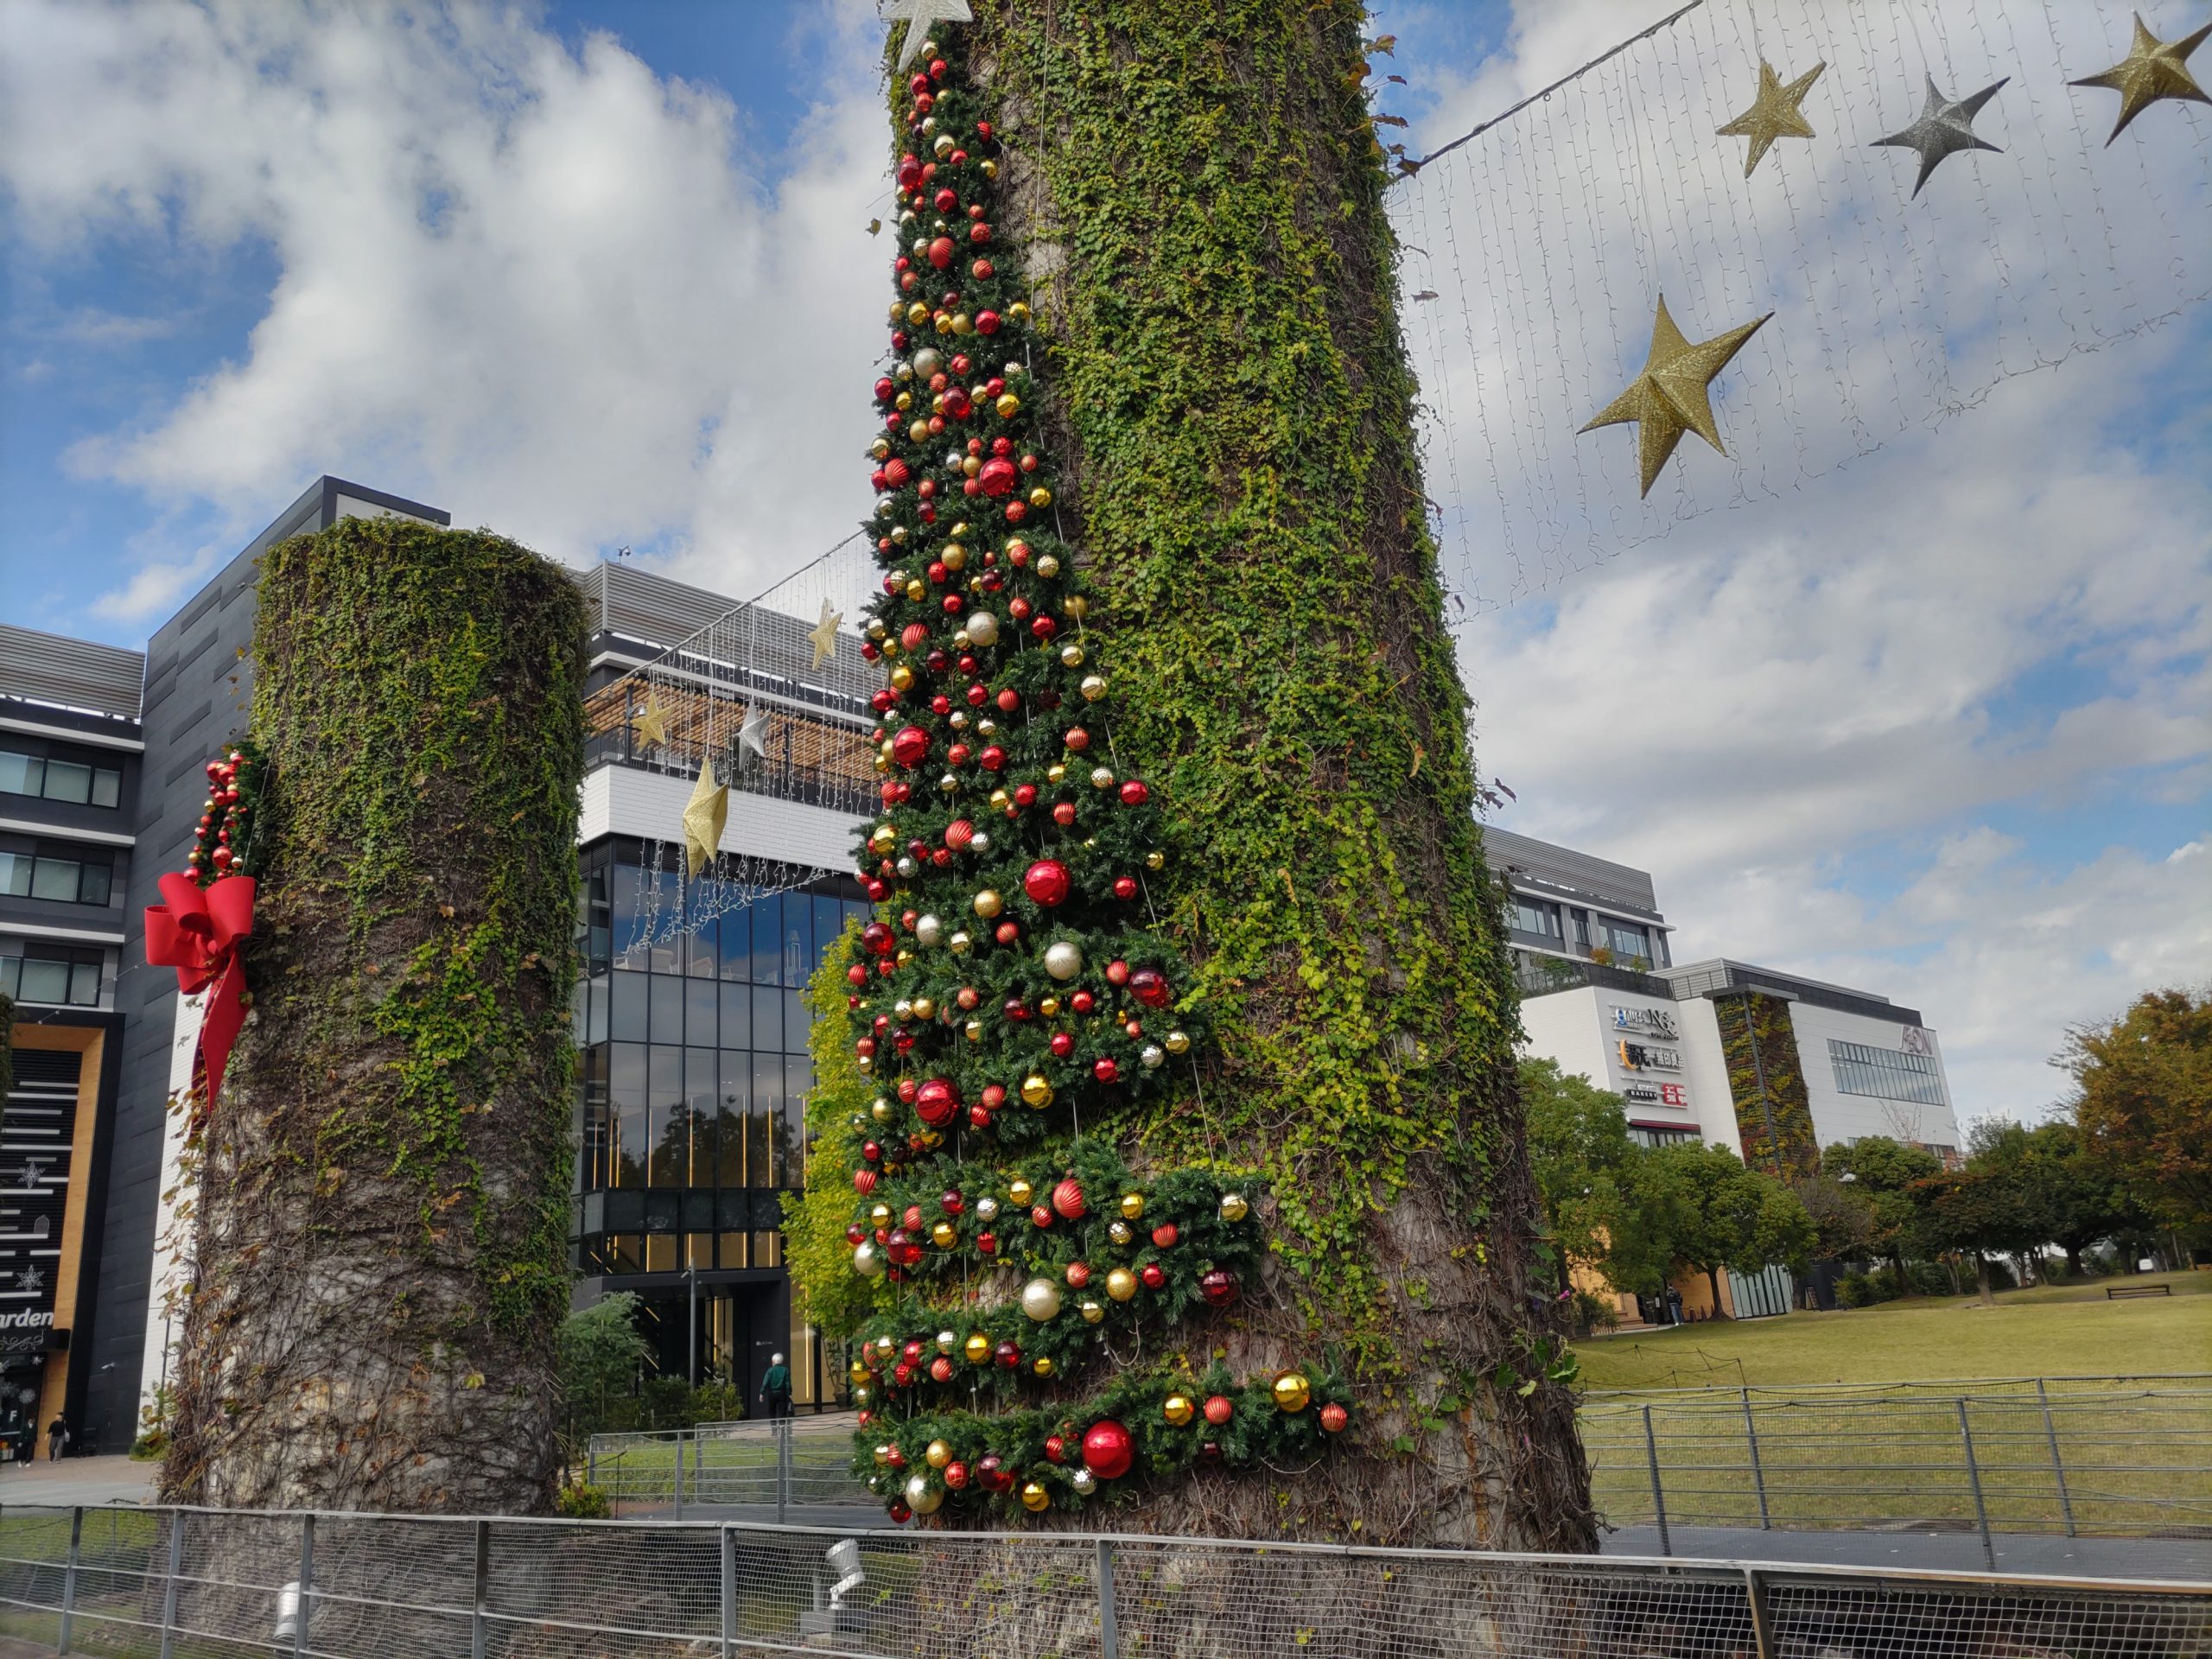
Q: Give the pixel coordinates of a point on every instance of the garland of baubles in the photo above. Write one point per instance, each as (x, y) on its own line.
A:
(1011, 978)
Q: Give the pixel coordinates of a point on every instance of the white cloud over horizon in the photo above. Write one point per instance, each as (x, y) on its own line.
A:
(583, 305)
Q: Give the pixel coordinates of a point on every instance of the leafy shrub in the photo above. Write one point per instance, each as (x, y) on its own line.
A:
(579, 1502)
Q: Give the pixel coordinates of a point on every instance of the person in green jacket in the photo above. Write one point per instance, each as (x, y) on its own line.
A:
(776, 1388)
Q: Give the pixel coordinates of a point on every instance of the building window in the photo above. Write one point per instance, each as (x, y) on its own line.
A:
(1885, 1073)
(68, 879)
(61, 975)
(51, 777)
(1651, 1136)
(1533, 916)
(1628, 944)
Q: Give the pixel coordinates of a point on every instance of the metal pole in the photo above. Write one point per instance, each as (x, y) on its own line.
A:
(169, 1594)
(2057, 1466)
(1759, 1473)
(1762, 1619)
(729, 1593)
(479, 1630)
(1658, 1497)
(783, 1468)
(691, 1289)
(69, 1577)
(306, 1585)
(1973, 1478)
(1109, 1641)
(591, 1462)
(679, 1474)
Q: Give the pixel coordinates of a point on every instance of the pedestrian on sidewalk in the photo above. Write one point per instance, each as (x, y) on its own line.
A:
(57, 1439)
(776, 1389)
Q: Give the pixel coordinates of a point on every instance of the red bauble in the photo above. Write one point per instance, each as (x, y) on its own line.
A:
(952, 1203)
(900, 1515)
(1047, 881)
(1106, 1070)
(913, 634)
(1108, 1451)
(1149, 987)
(941, 1370)
(986, 322)
(864, 1181)
(1056, 1449)
(1125, 887)
(1063, 1044)
(1218, 1409)
(1067, 1198)
(941, 251)
(1025, 795)
(1218, 1286)
(979, 1116)
(1153, 1275)
(937, 1102)
(959, 834)
(955, 1475)
(1078, 1274)
(1064, 814)
(1166, 1234)
(994, 1096)
(1117, 972)
(910, 746)
(1039, 1215)
(993, 758)
(908, 1090)
(856, 975)
(856, 1234)
(895, 472)
(1009, 701)
(998, 478)
(1334, 1417)
(1135, 793)
(988, 1243)
(1008, 1353)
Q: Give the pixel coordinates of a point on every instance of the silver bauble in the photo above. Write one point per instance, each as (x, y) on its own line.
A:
(928, 929)
(867, 1261)
(1041, 1299)
(987, 1209)
(922, 1496)
(980, 842)
(983, 626)
(907, 867)
(1151, 1055)
(946, 1341)
(1063, 959)
(1085, 1482)
(928, 361)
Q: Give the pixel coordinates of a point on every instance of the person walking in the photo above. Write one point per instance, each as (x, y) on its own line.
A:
(776, 1389)
(1673, 1306)
(57, 1439)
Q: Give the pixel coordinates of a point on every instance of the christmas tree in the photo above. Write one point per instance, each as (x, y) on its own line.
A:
(1014, 989)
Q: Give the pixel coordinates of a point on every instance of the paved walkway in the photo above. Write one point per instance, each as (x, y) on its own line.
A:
(2017, 1552)
(77, 1480)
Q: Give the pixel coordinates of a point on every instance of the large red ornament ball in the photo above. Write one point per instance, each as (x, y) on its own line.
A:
(937, 1103)
(1108, 1451)
(1067, 1198)
(955, 1475)
(895, 472)
(1218, 1409)
(1149, 987)
(864, 1181)
(1133, 793)
(1078, 1274)
(1152, 1275)
(1218, 1286)
(1164, 1236)
(909, 746)
(878, 940)
(1334, 1417)
(959, 834)
(1047, 881)
(900, 1515)
(1106, 1069)
(998, 477)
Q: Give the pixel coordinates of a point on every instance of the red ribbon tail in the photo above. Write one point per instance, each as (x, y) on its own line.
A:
(220, 1026)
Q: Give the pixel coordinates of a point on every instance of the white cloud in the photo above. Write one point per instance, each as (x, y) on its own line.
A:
(552, 291)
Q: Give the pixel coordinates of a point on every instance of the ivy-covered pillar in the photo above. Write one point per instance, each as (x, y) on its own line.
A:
(1198, 195)
(379, 1252)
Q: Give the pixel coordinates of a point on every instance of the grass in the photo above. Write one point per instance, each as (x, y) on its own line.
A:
(2052, 1331)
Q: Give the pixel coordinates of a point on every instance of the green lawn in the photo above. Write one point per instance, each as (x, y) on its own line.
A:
(2052, 1331)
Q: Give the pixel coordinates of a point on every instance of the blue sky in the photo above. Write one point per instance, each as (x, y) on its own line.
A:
(597, 275)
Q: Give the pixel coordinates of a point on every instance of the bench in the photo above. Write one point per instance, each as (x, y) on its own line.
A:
(2125, 1293)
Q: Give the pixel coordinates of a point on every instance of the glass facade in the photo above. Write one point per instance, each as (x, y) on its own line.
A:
(1885, 1073)
(695, 1073)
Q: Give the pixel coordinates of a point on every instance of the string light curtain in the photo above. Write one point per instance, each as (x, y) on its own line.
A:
(1537, 251)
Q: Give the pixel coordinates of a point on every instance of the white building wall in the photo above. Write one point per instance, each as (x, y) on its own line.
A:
(1838, 1117)
(622, 801)
(1707, 1069)
(1562, 1027)
(1582, 1030)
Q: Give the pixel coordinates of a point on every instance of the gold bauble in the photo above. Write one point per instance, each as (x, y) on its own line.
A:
(877, 632)
(973, 1030)
(939, 1454)
(959, 943)
(1056, 773)
(963, 324)
(1119, 1232)
(904, 956)
(918, 432)
(1018, 311)
(1233, 1204)
(902, 1009)
(1034, 1497)
(880, 1110)
(1008, 405)
(1020, 1191)
(944, 145)
(878, 1215)
(977, 1348)
(1178, 1409)
(1050, 1008)
(862, 1394)
(925, 1008)
(1036, 1091)
(1048, 567)
(902, 678)
(1041, 496)
(1093, 687)
(1293, 1392)
(916, 314)
(988, 904)
(1121, 1284)
(999, 800)
(896, 311)
(1132, 1205)
(988, 167)
(858, 1372)
(1072, 655)
(956, 557)
(1155, 859)
(944, 1235)
(1042, 1365)
(881, 450)
(1078, 606)
(1091, 1313)
(904, 402)
(918, 590)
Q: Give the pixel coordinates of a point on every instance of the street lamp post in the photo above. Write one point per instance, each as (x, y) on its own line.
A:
(691, 1325)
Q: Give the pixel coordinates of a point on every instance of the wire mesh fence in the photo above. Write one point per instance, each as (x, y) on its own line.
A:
(2126, 1463)
(173, 1583)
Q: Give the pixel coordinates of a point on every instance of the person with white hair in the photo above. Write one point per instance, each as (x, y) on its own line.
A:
(776, 1389)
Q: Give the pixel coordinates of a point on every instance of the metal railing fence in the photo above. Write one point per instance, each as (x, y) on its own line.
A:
(780, 1465)
(173, 1583)
(2115, 1464)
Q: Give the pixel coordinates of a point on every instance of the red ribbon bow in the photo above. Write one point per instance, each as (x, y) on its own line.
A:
(197, 934)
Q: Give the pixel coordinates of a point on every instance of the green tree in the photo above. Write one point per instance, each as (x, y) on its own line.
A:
(1585, 1166)
(1880, 1173)
(2143, 1100)
(1718, 1214)
(1979, 1210)
(2082, 1199)
(601, 1355)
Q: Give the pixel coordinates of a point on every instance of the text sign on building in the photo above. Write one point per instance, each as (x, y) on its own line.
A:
(1639, 1057)
(1660, 1022)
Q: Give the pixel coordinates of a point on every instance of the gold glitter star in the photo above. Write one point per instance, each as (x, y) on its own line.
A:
(823, 635)
(2153, 69)
(704, 817)
(1774, 113)
(1669, 397)
(650, 723)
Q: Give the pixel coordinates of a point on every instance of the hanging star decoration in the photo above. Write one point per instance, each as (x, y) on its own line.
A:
(920, 16)
(2153, 69)
(1945, 128)
(1669, 397)
(705, 815)
(753, 734)
(650, 723)
(1774, 113)
(823, 635)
